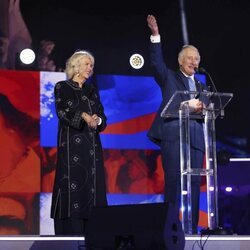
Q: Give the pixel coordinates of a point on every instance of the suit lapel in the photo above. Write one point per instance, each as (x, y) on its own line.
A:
(183, 79)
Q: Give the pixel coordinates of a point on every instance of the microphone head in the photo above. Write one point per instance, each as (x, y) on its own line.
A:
(202, 70)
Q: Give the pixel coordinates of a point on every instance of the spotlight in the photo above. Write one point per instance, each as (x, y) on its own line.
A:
(228, 189)
(27, 56)
(136, 61)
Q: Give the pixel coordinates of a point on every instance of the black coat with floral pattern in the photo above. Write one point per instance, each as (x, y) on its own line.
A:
(80, 177)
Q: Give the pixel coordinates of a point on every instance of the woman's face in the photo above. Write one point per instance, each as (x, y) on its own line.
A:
(11, 149)
(85, 68)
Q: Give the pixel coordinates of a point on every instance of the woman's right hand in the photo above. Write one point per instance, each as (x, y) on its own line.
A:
(91, 122)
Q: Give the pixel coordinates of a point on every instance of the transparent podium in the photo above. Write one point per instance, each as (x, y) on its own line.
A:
(215, 104)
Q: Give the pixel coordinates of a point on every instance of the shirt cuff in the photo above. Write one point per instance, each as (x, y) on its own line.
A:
(155, 39)
(100, 121)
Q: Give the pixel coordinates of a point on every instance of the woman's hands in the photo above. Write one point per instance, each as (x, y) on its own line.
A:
(92, 121)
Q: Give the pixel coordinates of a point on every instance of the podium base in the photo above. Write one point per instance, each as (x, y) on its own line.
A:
(216, 231)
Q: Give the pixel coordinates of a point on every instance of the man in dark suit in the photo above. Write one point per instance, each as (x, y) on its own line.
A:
(165, 131)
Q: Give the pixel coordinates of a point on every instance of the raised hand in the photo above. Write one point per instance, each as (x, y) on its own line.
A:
(152, 24)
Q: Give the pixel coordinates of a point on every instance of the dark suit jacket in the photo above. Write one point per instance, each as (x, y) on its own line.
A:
(170, 81)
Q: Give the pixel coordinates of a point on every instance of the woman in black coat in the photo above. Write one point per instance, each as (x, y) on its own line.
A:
(80, 178)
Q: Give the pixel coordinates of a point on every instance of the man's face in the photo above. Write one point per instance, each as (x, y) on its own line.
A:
(189, 61)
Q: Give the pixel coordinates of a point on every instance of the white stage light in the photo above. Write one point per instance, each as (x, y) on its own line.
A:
(27, 56)
(136, 61)
(228, 189)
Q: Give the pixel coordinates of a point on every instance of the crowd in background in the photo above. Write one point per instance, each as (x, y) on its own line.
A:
(15, 36)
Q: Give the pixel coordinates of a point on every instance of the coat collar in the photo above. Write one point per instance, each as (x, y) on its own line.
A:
(73, 83)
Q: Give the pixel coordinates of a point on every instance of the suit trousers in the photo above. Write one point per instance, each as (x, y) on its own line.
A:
(171, 164)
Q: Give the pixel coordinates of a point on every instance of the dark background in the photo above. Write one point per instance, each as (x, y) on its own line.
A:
(113, 30)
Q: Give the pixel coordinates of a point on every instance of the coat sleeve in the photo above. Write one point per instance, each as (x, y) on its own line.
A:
(66, 113)
(100, 111)
(158, 63)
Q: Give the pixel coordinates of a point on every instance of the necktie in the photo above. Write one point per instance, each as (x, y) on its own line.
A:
(192, 87)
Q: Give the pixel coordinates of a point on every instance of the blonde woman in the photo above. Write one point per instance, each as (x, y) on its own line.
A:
(80, 180)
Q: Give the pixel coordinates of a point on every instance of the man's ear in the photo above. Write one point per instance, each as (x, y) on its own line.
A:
(180, 62)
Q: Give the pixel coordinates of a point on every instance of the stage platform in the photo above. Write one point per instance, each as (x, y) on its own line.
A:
(197, 242)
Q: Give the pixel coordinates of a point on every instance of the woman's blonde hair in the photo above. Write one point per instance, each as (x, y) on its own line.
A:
(73, 63)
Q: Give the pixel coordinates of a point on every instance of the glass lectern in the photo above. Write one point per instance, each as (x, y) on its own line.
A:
(215, 104)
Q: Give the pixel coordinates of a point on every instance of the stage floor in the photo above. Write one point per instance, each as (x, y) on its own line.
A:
(234, 242)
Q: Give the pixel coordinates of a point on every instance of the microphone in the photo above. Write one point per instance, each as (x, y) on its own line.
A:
(203, 71)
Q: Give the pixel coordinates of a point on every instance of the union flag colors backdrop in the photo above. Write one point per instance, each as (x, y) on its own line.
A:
(28, 145)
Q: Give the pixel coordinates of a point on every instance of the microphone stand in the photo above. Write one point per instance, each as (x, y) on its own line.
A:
(202, 70)
(218, 230)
